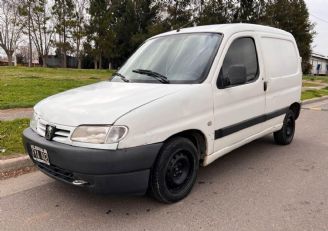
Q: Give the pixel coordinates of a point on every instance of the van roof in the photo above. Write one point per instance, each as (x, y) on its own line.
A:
(229, 29)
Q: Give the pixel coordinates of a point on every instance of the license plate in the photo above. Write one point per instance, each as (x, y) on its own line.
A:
(40, 154)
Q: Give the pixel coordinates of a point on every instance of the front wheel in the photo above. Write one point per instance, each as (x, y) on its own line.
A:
(175, 171)
(286, 134)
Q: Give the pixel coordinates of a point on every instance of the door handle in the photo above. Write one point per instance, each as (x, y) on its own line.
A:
(265, 85)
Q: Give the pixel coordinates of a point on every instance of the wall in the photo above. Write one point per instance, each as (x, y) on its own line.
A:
(323, 66)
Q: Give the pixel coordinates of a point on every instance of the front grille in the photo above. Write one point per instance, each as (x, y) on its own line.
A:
(61, 135)
(57, 172)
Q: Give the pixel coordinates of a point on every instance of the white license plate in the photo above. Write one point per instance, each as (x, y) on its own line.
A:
(40, 154)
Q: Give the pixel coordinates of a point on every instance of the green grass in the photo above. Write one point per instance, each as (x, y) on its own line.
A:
(23, 87)
(315, 81)
(309, 94)
(323, 79)
(311, 84)
(11, 136)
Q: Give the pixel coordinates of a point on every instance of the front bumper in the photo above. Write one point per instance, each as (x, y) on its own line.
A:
(106, 171)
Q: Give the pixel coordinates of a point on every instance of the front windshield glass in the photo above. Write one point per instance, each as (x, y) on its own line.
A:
(182, 58)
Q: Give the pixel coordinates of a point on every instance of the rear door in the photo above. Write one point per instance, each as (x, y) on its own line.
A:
(283, 74)
(238, 108)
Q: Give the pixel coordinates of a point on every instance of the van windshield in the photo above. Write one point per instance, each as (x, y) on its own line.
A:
(181, 58)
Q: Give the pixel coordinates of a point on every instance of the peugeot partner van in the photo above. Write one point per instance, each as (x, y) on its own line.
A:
(182, 100)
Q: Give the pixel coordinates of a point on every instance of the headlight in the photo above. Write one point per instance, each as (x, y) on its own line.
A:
(34, 121)
(99, 134)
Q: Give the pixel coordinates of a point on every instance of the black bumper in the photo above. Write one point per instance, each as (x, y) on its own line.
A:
(106, 171)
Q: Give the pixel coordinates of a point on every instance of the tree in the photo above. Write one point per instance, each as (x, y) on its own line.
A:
(215, 12)
(147, 13)
(10, 27)
(26, 13)
(29, 20)
(42, 29)
(293, 16)
(148, 21)
(231, 11)
(249, 11)
(179, 12)
(97, 30)
(62, 11)
(78, 29)
(128, 28)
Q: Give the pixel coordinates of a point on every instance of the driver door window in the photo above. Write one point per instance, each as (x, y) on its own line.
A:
(240, 65)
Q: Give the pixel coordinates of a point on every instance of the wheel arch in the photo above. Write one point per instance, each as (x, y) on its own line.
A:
(296, 108)
(197, 137)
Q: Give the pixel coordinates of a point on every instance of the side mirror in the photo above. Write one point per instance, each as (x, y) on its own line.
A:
(237, 74)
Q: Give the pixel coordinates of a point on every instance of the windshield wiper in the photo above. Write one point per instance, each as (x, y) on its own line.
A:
(161, 78)
(122, 77)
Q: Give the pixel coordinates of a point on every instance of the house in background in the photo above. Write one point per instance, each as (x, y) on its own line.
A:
(319, 64)
(4, 60)
(55, 61)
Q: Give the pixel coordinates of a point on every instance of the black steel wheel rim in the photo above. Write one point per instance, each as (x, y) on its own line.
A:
(179, 171)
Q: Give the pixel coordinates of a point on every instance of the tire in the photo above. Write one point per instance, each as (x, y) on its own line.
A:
(286, 134)
(175, 171)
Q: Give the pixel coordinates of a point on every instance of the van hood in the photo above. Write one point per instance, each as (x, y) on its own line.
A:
(100, 103)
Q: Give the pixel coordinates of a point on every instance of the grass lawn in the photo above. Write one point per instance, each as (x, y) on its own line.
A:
(309, 94)
(310, 84)
(314, 81)
(323, 79)
(11, 136)
(23, 87)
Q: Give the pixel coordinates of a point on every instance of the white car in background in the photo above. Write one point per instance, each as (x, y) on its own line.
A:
(182, 100)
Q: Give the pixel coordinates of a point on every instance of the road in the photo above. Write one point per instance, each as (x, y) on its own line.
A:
(260, 186)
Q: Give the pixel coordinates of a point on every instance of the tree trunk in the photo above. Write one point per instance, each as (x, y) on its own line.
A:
(95, 63)
(100, 62)
(64, 60)
(79, 63)
(29, 37)
(44, 60)
(10, 59)
(64, 36)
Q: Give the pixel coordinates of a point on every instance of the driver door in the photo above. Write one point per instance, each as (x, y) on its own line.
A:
(238, 105)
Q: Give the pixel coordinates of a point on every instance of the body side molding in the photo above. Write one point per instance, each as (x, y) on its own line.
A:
(222, 132)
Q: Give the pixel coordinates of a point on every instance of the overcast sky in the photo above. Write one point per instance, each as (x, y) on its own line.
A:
(318, 10)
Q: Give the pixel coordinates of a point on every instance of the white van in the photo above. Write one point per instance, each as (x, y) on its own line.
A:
(182, 100)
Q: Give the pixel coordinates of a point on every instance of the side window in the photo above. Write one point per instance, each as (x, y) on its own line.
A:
(240, 65)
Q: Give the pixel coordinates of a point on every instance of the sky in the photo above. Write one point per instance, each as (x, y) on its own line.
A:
(318, 10)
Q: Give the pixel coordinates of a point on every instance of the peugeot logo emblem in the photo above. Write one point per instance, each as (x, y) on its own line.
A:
(50, 132)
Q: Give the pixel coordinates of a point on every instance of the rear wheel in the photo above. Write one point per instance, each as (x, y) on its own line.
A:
(175, 170)
(286, 134)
